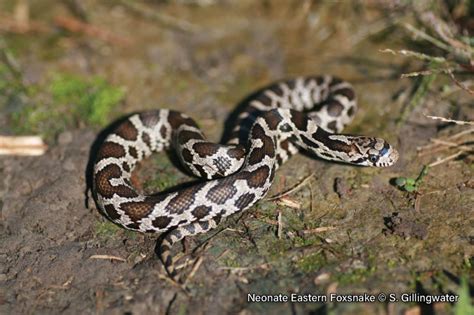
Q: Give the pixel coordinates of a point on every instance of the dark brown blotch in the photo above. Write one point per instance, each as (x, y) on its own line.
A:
(133, 226)
(185, 135)
(103, 177)
(262, 98)
(205, 148)
(258, 177)
(332, 126)
(201, 170)
(137, 210)
(201, 211)
(300, 120)
(125, 191)
(347, 92)
(222, 192)
(127, 131)
(323, 136)
(285, 145)
(126, 167)
(335, 81)
(146, 138)
(217, 218)
(163, 131)
(183, 201)
(236, 153)
(161, 222)
(111, 212)
(110, 149)
(186, 155)
(133, 152)
(291, 84)
(176, 119)
(150, 118)
(272, 118)
(279, 160)
(351, 111)
(268, 147)
(334, 108)
(243, 201)
(276, 89)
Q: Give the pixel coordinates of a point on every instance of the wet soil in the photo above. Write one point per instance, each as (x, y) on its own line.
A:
(346, 230)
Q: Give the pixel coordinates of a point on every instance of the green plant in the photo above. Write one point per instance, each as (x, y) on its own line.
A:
(411, 184)
(68, 101)
(93, 100)
(464, 306)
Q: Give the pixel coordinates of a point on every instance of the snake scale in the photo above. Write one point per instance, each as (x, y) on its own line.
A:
(305, 113)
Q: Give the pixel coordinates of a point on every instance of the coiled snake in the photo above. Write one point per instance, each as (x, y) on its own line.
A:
(302, 114)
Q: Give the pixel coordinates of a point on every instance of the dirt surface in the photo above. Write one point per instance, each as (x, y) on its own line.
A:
(345, 230)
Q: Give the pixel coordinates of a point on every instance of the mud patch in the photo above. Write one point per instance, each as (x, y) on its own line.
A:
(405, 226)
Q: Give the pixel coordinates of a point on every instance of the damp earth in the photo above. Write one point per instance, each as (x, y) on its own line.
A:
(70, 68)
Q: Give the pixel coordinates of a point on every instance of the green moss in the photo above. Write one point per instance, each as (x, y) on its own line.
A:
(301, 241)
(355, 276)
(160, 183)
(165, 176)
(277, 248)
(183, 308)
(92, 100)
(312, 262)
(106, 229)
(70, 100)
(391, 263)
(230, 262)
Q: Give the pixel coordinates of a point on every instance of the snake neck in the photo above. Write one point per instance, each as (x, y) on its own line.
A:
(289, 125)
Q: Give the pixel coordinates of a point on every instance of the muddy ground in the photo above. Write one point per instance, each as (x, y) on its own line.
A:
(345, 230)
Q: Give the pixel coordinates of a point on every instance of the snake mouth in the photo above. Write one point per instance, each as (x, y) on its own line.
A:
(394, 156)
(390, 159)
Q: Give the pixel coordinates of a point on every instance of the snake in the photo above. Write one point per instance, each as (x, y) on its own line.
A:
(276, 122)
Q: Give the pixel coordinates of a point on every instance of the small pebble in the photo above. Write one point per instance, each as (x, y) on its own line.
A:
(322, 278)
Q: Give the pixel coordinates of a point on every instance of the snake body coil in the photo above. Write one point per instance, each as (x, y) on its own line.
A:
(301, 114)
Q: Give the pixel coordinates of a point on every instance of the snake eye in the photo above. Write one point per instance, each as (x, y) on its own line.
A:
(373, 158)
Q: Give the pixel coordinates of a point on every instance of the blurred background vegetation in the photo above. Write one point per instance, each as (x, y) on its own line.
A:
(51, 76)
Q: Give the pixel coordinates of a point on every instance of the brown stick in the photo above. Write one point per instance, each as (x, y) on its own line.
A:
(77, 26)
(22, 145)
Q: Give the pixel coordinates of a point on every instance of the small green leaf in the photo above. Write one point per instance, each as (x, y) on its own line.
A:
(400, 181)
(410, 188)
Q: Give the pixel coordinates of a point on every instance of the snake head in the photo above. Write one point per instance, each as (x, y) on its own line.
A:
(376, 152)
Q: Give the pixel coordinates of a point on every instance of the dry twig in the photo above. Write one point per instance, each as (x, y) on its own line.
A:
(163, 19)
(446, 159)
(110, 257)
(457, 122)
(22, 145)
(318, 230)
(75, 25)
(196, 266)
(280, 226)
(303, 182)
(287, 202)
(458, 83)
